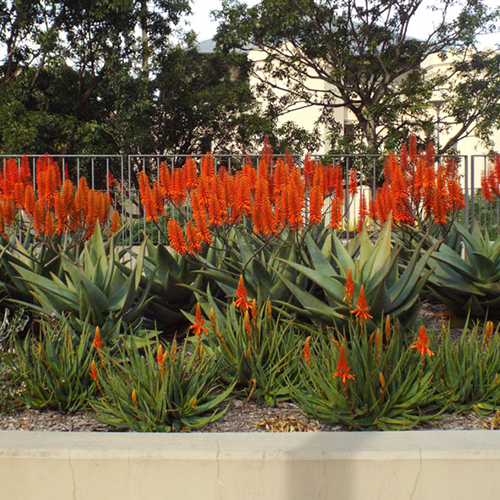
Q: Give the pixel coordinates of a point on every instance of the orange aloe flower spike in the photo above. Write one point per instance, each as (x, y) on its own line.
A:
(115, 222)
(343, 368)
(363, 212)
(315, 205)
(422, 344)
(159, 355)
(248, 325)
(353, 181)
(349, 288)
(193, 238)
(93, 370)
(50, 224)
(97, 339)
(177, 241)
(197, 326)
(306, 353)
(362, 310)
(242, 301)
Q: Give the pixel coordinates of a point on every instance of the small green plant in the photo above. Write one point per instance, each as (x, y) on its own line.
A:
(468, 369)
(375, 382)
(53, 366)
(7, 401)
(167, 391)
(12, 325)
(254, 348)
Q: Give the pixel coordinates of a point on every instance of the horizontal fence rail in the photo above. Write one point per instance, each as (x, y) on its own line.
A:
(117, 175)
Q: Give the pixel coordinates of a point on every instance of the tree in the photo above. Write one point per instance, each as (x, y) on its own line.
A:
(205, 103)
(357, 55)
(93, 53)
(106, 77)
(471, 98)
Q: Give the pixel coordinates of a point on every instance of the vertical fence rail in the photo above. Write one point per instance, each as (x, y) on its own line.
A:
(486, 215)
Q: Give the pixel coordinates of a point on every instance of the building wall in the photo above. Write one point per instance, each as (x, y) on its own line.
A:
(307, 116)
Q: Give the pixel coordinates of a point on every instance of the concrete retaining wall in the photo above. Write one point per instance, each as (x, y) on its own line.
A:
(441, 465)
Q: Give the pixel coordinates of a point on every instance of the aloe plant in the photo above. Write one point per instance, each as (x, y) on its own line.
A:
(390, 287)
(468, 369)
(52, 368)
(241, 252)
(374, 382)
(163, 391)
(468, 280)
(254, 348)
(170, 279)
(29, 254)
(94, 289)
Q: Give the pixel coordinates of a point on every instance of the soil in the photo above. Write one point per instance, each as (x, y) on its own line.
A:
(253, 417)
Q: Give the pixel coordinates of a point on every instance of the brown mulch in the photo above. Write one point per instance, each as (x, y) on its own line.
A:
(241, 417)
(250, 416)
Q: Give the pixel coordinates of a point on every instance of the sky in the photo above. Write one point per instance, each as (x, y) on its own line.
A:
(205, 27)
(201, 21)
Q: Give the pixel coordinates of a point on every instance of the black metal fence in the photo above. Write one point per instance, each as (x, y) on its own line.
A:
(117, 174)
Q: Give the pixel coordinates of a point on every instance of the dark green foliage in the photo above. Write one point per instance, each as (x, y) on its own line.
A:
(93, 289)
(392, 388)
(466, 280)
(390, 287)
(254, 349)
(468, 368)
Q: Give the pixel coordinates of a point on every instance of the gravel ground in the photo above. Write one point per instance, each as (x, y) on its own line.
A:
(241, 417)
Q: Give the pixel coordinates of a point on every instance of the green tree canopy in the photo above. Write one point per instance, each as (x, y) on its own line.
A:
(358, 55)
(80, 76)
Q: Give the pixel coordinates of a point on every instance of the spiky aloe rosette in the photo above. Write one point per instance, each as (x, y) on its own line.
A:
(380, 283)
(162, 390)
(468, 370)
(469, 281)
(53, 366)
(94, 289)
(255, 349)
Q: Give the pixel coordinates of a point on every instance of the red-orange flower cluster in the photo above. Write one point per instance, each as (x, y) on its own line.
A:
(275, 195)
(349, 288)
(197, 326)
(306, 353)
(362, 310)
(490, 180)
(414, 191)
(343, 368)
(422, 343)
(53, 207)
(242, 301)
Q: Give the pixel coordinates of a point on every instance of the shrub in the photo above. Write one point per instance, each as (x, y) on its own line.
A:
(253, 348)
(170, 390)
(53, 367)
(468, 282)
(371, 382)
